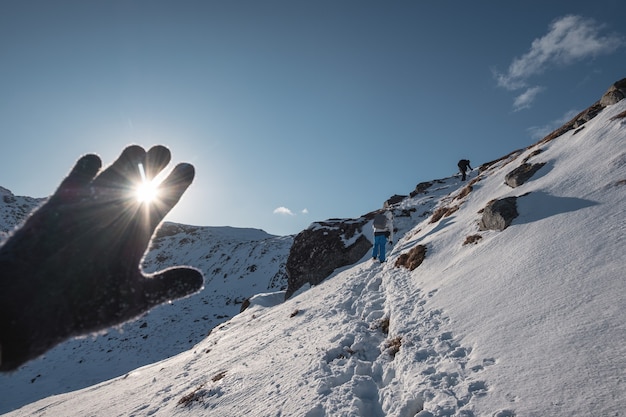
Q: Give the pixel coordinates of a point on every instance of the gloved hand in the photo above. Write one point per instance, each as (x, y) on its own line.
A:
(73, 267)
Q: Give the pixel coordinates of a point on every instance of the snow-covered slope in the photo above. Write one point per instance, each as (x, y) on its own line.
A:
(13, 209)
(237, 263)
(529, 321)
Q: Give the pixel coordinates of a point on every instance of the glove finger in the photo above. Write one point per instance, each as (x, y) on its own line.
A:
(124, 172)
(177, 183)
(171, 284)
(170, 192)
(83, 172)
(157, 158)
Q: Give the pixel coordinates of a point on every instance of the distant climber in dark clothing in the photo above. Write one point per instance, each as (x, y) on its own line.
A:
(463, 165)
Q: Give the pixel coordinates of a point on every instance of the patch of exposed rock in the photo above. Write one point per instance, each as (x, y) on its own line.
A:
(498, 214)
(413, 258)
(521, 174)
(323, 247)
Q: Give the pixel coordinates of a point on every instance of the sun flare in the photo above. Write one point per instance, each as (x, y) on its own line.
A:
(147, 190)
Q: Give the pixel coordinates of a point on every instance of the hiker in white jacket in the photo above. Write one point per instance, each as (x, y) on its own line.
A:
(383, 232)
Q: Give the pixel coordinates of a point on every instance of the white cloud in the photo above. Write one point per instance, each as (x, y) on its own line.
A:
(287, 212)
(524, 100)
(283, 211)
(570, 39)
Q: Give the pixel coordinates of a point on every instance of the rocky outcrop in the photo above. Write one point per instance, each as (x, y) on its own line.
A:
(498, 214)
(323, 247)
(521, 174)
(393, 200)
(423, 187)
(614, 94)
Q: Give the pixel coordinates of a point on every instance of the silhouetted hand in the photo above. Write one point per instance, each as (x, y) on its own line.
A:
(74, 266)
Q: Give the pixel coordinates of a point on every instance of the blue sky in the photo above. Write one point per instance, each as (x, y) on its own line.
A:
(294, 111)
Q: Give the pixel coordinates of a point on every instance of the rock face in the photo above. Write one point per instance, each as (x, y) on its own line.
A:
(323, 247)
(499, 214)
(521, 174)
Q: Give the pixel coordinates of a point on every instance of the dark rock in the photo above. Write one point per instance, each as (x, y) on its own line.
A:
(421, 188)
(244, 305)
(521, 174)
(499, 214)
(413, 258)
(323, 247)
(395, 199)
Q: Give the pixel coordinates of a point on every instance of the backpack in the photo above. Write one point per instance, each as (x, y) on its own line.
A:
(463, 163)
(380, 221)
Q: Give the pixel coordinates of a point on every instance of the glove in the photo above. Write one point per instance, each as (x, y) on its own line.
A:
(73, 267)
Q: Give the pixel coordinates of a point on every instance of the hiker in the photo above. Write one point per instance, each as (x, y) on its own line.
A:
(463, 165)
(73, 267)
(383, 232)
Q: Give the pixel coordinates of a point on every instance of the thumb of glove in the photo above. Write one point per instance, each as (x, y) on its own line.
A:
(171, 284)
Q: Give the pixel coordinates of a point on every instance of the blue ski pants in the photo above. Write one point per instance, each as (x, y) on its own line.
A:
(380, 243)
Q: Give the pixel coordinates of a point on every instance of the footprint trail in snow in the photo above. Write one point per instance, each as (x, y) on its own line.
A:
(388, 341)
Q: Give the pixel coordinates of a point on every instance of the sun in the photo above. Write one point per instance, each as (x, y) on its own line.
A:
(146, 191)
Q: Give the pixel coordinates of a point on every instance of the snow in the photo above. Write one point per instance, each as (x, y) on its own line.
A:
(530, 321)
